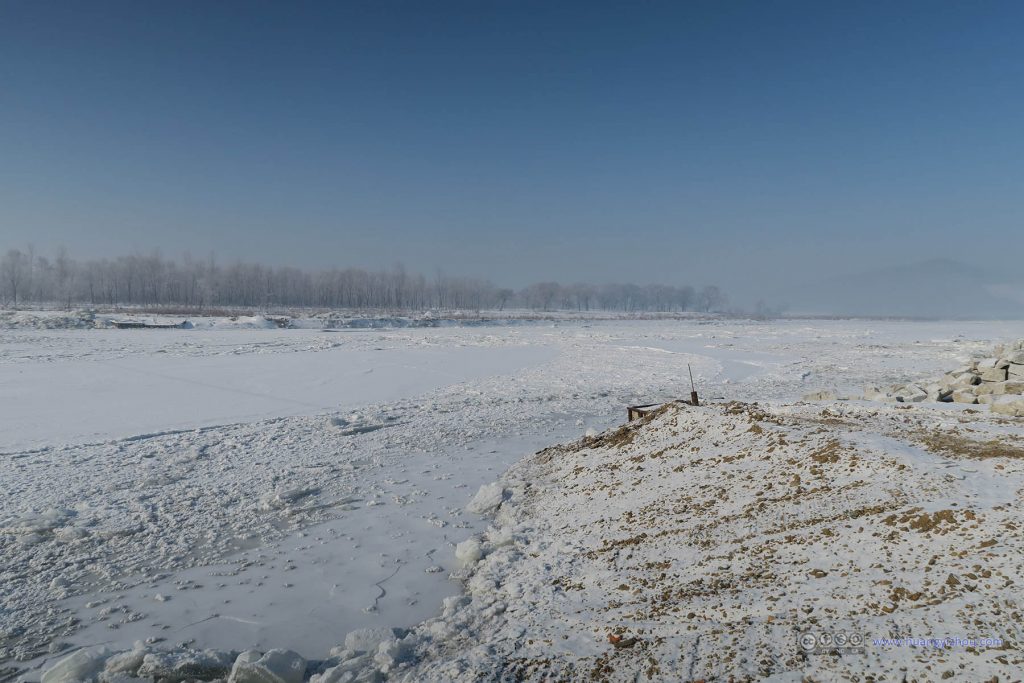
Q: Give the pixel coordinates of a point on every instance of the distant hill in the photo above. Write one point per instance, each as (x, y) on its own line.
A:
(938, 288)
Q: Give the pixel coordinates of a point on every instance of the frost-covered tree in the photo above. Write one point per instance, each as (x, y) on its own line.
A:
(13, 270)
(154, 280)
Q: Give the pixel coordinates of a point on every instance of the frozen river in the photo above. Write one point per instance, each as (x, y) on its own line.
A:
(279, 488)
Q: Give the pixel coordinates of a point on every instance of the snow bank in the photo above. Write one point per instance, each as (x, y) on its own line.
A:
(703, 544)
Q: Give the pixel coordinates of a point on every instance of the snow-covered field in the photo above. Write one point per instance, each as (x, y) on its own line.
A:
(230, 488)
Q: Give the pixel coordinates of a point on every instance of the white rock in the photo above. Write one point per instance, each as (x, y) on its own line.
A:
(1015, 370)
(967, 380)
(911, 393)
(964, 396)
(1014, 386)
(1015, 357)
(994, 375)
(487, 499)
(1007, 405)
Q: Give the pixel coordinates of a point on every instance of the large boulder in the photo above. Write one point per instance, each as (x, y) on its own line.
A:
(1014, 386)
(1015, 357)
(1015, 370)
(964, 396)
(911, 393)
(968, 379)
(1008, 405)
(994, 375)
(1000, 388)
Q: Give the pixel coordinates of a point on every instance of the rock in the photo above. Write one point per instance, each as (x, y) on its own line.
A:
(1015, 357)
(487, 499)
(1015, 370)
(873, 392)
(823, 395)
(994, 375)
(367, 639)
(911, 393)
(275, 666)
(967, 380)
(964, 396)
(83, 665)
(987, 364)
(1000, 388)
(1008, 405)
(1014, 386)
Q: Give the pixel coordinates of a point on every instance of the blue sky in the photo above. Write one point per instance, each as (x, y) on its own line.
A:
(750, 144)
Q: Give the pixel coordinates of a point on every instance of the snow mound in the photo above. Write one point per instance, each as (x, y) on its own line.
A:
(83, 665)
(468, 552)
(722, 529)
(367, 639)
(275, 666)
(487, 499)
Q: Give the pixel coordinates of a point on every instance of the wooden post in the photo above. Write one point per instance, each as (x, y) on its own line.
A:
(693, 390)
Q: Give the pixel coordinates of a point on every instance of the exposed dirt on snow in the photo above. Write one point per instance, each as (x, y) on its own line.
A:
(705, 544)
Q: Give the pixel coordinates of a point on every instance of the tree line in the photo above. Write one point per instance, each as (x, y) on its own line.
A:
(153, 280)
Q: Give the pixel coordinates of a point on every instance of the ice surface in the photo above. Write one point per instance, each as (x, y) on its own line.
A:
(302, 484)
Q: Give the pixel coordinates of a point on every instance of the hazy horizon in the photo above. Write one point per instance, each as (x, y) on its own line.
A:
(759, 148)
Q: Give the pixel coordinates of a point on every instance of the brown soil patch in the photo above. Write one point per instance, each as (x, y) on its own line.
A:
(955, 445)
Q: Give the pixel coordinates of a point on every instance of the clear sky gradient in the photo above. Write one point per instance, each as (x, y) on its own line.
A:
(749, 144)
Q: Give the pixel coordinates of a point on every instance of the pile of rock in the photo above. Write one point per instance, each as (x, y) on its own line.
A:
(997, 381)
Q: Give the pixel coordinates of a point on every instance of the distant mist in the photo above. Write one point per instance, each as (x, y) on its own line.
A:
(935, 288)
(153, 280)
